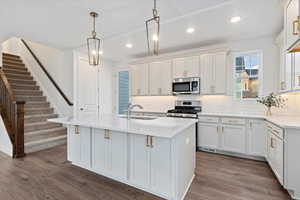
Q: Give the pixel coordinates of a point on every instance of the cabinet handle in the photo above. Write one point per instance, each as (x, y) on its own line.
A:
(77, 130)
(106, 134)
(151, 142)
(148, 141)
(295, 27)
(272, 143)
(217, 129)
(223, 129)
(250, 124)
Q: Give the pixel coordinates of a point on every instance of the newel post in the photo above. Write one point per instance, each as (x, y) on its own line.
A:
(19, 150)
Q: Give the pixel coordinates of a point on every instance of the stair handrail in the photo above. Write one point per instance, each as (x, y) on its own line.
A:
(12, 112)
(47, 74)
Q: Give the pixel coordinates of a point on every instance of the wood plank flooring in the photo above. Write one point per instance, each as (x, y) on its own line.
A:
(46, 175)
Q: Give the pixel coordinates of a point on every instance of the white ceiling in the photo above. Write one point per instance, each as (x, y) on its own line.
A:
(65, 24)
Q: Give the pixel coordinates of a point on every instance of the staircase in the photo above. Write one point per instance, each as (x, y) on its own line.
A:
(38, 133)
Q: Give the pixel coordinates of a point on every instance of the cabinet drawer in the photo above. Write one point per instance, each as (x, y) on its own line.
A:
(275, 130)
(209, 119)
(234, 121)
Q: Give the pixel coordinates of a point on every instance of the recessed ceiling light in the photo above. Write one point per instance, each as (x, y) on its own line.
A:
(235, 19)
(190, 30)
(129, 45)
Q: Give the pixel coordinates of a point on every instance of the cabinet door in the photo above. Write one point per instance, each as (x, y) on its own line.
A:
(166, 78)
(234, 138)
(80, 145)
(288, 71)
(206, 77)
(219, 73)
(208, 135)
(191, 65)
(178, 68)
(257, 138)
(117, 158)
(139, 161)
(139, 80)
(99, 150)
(161, 166)
(291, 15)
(296, 70)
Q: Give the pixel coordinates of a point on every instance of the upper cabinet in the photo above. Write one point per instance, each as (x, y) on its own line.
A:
(296, 70)
(213, 73)
(186, 67)
(160, 78)
(139, 79)
(291, 25)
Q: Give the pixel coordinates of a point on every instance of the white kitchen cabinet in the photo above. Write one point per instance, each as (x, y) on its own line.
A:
(139, 75)
(139, 160)
(160, 168)
(291, 23)
(213, 73)
(160, 78)
(109, 153)
(79, 142)
(208, 135)
(186, 67)
(233, 138)
(151, 164)
(257, 138)
(296, 71)
(275, 152)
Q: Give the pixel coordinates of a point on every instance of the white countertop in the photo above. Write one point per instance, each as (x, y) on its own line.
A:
(159, 127)
(280, 120)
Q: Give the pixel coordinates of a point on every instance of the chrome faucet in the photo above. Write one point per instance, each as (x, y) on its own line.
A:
(130, 107)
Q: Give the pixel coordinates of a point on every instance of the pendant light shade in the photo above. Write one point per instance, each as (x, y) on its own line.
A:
(94, 44)
(152, 28)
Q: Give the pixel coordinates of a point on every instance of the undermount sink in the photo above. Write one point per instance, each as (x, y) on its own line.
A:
(140, 117)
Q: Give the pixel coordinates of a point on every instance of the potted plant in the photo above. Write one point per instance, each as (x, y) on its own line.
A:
(270, 101)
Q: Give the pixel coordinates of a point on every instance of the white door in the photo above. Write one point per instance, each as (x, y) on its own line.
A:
(87, 91)
(297, 71)
(208, 135)
(139, 161)
(179, 68)
(206, 77)
(161, 166)
(117, 158)
(99, 151)
(291, 15)
(257, 137)
(234, 138)
(219, 73)
(191, 65)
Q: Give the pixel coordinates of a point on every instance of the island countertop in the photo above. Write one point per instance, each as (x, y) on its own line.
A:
(159, 127)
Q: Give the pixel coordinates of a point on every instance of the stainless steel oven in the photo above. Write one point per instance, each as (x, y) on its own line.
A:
(182, 86)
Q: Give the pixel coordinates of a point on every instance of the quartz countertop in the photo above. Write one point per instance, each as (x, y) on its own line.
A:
(279, 120)
(158, 127)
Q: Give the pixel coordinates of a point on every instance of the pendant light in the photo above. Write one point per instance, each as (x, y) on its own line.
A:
(94, 44)
(152, 28)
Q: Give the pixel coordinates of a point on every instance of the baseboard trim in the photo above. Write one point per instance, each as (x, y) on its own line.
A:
(188, 187)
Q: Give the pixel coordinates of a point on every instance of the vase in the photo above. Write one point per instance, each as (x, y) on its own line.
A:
(268, 111)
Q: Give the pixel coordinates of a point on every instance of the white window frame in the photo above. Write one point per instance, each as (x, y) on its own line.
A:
(117, 87)
(260, 73)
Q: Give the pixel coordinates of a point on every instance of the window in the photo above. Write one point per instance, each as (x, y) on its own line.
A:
(123, 91)
(247, 68)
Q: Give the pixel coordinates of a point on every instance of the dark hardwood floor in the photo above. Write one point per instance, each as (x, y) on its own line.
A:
(46, 175)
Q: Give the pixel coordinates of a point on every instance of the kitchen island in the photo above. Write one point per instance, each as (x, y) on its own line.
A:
(156, 155)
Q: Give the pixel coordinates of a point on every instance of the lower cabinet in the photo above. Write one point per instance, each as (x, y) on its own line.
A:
(233, 138)
(257, 138)
(109, 151)
(208, 135)
(150, 163)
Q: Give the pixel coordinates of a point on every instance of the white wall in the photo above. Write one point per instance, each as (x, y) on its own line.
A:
(59, 65)
(222, 103)
(5, 143)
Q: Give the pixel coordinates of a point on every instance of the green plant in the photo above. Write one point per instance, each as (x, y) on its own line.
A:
(272, 100)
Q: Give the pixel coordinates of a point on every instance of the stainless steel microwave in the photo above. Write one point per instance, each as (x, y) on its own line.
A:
(184, 86)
